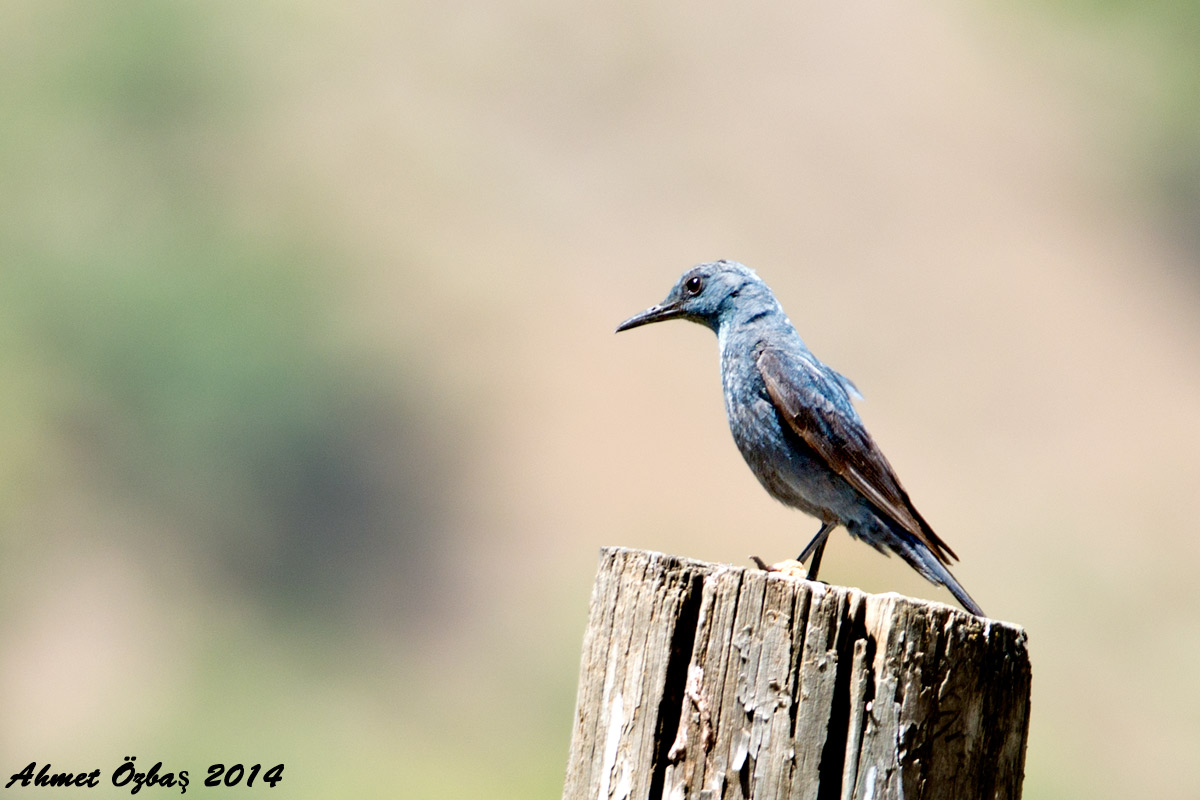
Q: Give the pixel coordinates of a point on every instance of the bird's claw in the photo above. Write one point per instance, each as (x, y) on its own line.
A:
(791, 567)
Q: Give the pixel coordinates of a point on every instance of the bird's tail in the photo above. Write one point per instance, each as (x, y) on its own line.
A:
(924, 561)
(960, 594)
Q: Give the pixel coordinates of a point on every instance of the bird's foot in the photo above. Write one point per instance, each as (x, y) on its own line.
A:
(791, 567)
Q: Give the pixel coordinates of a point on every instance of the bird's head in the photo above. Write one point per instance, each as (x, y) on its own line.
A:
(706, 294)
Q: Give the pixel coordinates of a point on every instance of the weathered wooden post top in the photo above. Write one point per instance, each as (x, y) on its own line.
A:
(709, 681)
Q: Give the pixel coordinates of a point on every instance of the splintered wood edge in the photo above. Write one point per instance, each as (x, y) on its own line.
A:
(905, 638)
(880, 605)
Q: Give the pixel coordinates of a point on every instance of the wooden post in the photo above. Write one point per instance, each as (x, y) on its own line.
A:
(709, 681)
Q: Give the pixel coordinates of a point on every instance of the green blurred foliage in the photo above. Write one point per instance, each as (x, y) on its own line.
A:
(191, 364)
(190, 359)
(1164, 128)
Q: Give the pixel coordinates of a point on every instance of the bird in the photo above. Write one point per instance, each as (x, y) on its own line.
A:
(794, 421)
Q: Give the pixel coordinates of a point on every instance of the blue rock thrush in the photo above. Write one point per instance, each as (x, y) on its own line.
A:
(793, 419)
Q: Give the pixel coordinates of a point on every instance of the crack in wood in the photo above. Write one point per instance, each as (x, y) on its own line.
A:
(712, 682)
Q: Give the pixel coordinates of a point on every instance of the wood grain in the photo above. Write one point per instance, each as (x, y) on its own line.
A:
(711, 681)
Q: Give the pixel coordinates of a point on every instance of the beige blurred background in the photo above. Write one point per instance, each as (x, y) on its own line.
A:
(314, 421)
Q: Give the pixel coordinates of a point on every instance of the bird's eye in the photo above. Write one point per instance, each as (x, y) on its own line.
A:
(694, 285)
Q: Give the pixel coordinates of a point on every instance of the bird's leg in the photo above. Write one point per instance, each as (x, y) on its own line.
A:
(816, 548)
(815, 565)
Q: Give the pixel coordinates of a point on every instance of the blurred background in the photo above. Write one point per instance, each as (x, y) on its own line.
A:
(314, 420)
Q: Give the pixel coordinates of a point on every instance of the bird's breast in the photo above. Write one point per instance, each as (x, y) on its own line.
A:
(753, 421)
(788, 468)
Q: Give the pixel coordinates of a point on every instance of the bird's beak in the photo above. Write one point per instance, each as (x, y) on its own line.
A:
(656, 313)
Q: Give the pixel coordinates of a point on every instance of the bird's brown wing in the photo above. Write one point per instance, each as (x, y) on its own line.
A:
(799, 391)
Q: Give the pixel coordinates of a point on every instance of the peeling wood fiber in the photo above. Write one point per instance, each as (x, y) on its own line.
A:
(715, 682)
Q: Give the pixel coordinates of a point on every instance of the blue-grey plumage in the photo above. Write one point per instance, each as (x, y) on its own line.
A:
(794, 421)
